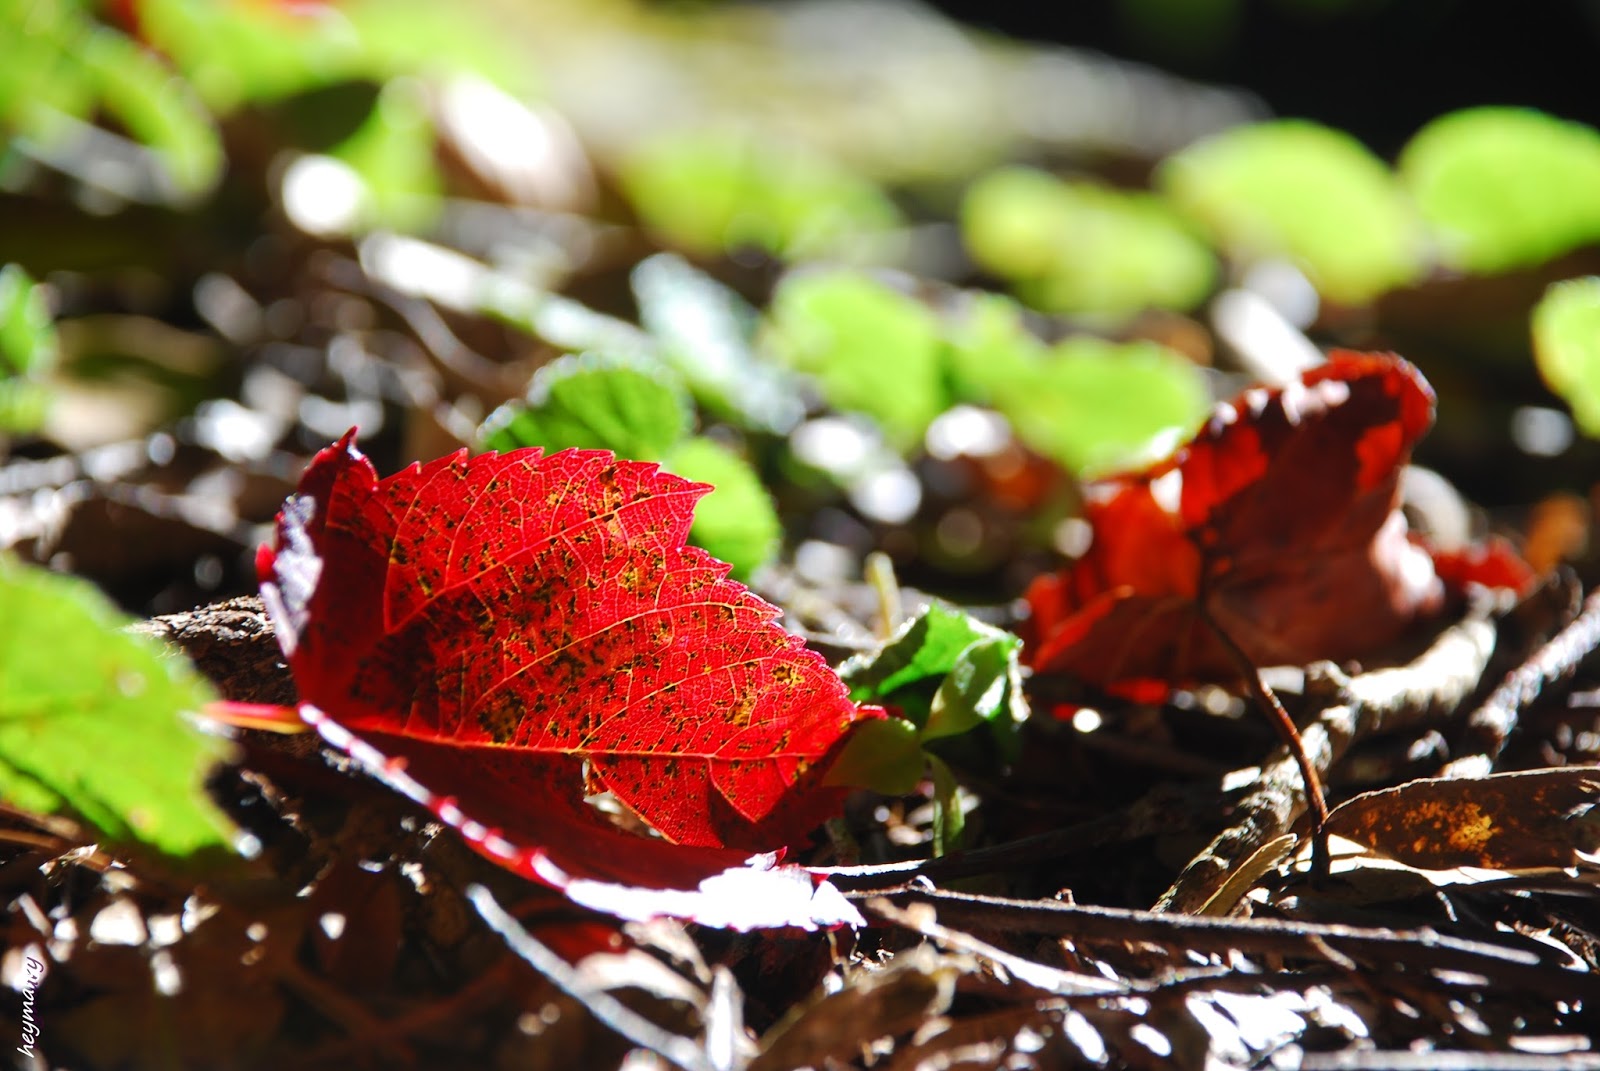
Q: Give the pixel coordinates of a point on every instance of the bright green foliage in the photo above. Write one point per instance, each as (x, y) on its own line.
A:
(28, 350)
(91, 719)
(1566, 343)
(234, 53)
(737, 521)
(631, 406)
(64, 66)
(944, 673)
(1082, 247)
(638, 408)
(920, 654)
(884, 754)
(710, 192)
(1296, 189)
(1505, 188)
(989, 346)
(393, 153)
(705, 331)
(872, 349)
(1093, 405)
(1086, 403)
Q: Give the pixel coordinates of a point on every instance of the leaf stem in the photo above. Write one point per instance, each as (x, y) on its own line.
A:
(1290, 735)
(879, 569)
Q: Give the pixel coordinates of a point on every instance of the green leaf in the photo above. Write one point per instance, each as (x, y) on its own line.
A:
(1505, 188)
(705, 331)
(1083, 247)
(926, 647)
(737, 521)
(234, 54)
(28, 343)
(882, 754)
(1296, 189)
(712, 192)
(1094, 405)
(989, 347)
(984, 686)
(157, 108)
(871, 349)
(91, 719)
(630, 406)
(393, 153)
(1566, 344)
(28, 350)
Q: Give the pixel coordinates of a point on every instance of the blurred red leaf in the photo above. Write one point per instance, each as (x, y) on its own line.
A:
(476, 632)
(1278, 522)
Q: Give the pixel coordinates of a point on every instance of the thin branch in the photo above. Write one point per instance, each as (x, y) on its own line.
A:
(1435, 1060)
(1430, 688)
(1491, 725)
(1422, 948)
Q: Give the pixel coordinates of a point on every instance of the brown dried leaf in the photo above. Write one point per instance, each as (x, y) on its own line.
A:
(1512, 821)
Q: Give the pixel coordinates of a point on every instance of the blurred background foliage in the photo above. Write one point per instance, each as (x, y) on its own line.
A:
(886, 281)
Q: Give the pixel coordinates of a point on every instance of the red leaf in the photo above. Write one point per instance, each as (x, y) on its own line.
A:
(476, 631)
(1279, 520)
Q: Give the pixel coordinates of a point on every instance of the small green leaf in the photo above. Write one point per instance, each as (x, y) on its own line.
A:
(1505, 187)
(630, 406)
(28, 343)
(1297, 189)
(1093, 405)
(1083, 247)
(1566, 344)
(705, 331)
(393, 153)
(882, 754)
(871, 349)
(928, 646)
(156, 107)
(91, 719)
(737, 521)
(711, 192)
(28, 350)
(983, 687)
(989, 346)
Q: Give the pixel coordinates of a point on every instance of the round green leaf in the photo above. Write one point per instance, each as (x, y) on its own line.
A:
(871, 349)
(1300, 190)
(1082, 247)
(1093, 405)
(711, 192)
(1505, 187)
(631, 406)
(737, 521)
(1566, 344)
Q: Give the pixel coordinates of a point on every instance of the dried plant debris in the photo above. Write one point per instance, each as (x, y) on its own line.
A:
(796, 565)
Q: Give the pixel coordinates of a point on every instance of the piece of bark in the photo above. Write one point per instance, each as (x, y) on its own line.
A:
(233, 645)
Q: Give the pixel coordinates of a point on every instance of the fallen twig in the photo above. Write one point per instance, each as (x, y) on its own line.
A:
(1491, 725)
(1422, 948)
(1384, 700)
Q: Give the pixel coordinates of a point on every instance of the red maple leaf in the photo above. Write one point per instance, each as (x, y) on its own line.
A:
(1277, 524)
(476, 631)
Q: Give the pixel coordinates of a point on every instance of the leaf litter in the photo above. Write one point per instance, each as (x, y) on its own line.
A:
(359, 925)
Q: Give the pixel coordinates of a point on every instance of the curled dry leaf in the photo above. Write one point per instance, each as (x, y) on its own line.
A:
(1510, 821)
(476, 631)
(1279, 522)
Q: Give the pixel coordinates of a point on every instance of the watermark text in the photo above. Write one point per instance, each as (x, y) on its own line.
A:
(30, 1026)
